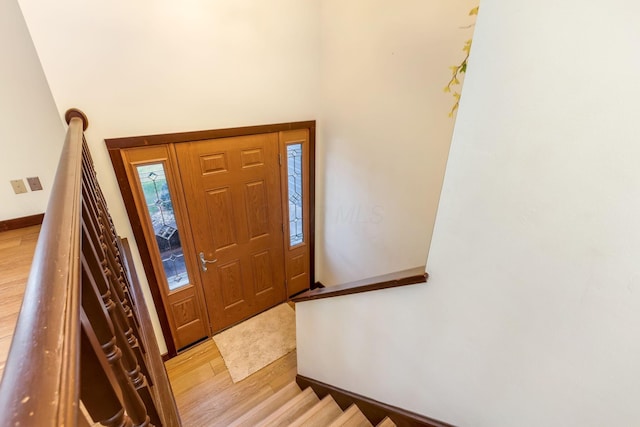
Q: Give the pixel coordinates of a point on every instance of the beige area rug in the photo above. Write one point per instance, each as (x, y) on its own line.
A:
(255, 343)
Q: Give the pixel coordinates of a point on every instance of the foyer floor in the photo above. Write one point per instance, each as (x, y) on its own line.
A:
(16, 253)
(204, 392)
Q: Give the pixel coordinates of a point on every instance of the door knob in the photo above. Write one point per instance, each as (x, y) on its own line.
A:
(204, 261)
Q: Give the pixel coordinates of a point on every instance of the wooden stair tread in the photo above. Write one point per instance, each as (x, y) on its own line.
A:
(386, 423)
(267, 406)
(352, 417)
(320, 415)
(291, 410)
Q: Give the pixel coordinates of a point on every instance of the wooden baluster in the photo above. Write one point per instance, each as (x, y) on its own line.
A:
(110, 264)
(123, 312)
(109, 336)
(132, 332)
(111, 301)
(108, 238)
(109, 257)
(100, 209)
(164, 395)
(99, 193)
(107, 262)
(97, 390)
(110, 246)
(116, 268)
(130, 361)
(101, 202)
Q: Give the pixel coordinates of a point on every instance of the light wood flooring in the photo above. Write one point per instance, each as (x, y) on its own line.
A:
(16, 254)
(205, 394)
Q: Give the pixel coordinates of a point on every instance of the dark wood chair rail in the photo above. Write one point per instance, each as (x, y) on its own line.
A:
(81, 335)
(391, 280)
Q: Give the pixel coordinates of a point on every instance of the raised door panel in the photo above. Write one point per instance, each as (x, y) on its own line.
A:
(231, 280)
(223, 227)
(257, 209)
(186, 315)
(263, 272)
(252, 157)
(213, 163)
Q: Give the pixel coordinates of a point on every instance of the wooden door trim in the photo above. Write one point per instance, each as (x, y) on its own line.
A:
(140, 141)
(115, 147)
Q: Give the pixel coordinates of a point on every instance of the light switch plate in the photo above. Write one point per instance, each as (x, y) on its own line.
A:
(18, 186)
(34, 183)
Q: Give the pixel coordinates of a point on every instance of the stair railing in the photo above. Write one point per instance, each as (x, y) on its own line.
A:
(83, 350)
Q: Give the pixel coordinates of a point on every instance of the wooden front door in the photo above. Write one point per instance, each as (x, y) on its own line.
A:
(233, 195)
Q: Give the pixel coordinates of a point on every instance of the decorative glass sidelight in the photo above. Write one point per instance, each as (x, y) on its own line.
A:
(294, 171)
(160, 210)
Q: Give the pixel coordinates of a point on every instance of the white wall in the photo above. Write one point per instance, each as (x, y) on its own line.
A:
(155, 67)
(530, 317)
(32, 133)
(384, 132)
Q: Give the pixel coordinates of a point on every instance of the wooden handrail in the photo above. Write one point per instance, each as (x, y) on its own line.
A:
(411, 276)
(80, 338)
(44, 353)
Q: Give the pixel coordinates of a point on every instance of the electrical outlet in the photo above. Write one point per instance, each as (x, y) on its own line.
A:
(18, 186)
(34, 183)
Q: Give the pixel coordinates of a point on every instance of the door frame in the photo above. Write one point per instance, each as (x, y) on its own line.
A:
(115, 147)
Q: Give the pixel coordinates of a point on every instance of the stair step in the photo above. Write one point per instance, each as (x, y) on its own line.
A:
(352, 417)
(320, 415)
(268, 406)
(291, 410)
(386, 423)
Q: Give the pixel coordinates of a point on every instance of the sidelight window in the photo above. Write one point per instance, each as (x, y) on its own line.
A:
(160, 210)
(294, 171)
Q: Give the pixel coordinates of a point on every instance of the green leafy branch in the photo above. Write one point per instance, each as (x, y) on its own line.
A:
(458, 70)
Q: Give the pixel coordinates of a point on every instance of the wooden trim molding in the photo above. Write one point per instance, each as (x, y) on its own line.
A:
(143, 141)
(312, 201)
(22, 222)
(372, 409)
(400, 278)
